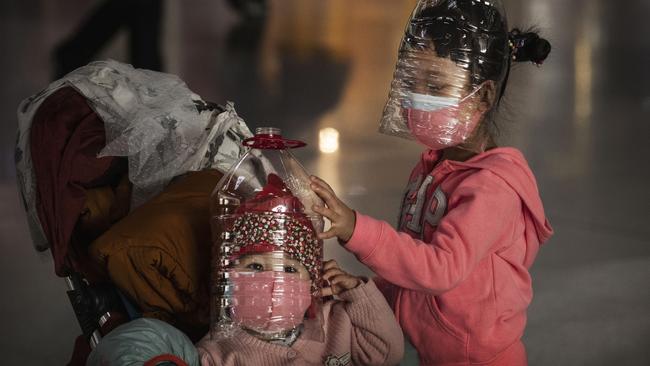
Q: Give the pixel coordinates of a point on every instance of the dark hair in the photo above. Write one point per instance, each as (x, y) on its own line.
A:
(528, 46)
(474, 34)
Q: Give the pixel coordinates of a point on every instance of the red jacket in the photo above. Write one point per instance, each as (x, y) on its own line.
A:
(456, 272)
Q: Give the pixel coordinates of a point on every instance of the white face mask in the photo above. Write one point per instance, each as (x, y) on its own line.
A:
(428, 103)
(437, 122)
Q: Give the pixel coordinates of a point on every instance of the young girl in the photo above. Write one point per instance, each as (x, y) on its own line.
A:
(456, 270)
(274, 268)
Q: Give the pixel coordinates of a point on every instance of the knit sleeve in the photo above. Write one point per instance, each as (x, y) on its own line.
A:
(376, 336)
(209, 353)
(206, 359)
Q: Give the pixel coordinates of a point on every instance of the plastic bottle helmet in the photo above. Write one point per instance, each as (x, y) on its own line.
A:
(267, 256)
(453, 52)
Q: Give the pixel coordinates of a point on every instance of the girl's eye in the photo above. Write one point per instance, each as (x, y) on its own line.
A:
(255, 267)
(290, 269)
(408, 84)
(435, 88)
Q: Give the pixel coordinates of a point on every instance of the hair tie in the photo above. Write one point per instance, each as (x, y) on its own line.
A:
(515, 42)
(528, 46)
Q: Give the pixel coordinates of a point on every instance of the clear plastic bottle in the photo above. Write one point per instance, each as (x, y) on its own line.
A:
(266, 257)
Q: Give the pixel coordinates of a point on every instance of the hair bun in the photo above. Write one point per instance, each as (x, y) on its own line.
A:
(528, 46)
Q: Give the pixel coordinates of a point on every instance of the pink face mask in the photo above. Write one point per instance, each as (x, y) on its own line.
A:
(269, 301)
(436, 122)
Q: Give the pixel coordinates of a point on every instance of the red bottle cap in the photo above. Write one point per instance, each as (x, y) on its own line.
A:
(271, 139)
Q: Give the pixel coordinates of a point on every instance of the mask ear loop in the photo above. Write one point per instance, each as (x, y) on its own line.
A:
(485, 141)
(471, 94)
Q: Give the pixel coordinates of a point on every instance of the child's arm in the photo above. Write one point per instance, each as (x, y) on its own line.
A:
(209, 352)
(376, 336)
(481, 215)
(206, 359)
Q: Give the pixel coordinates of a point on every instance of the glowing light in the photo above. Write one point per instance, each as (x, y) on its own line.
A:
(583, 78)
(328, 140)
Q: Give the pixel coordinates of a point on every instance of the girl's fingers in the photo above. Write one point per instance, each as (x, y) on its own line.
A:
(344, 281)
(331, 273)
(340, 283)
(325, 192)
(326, 291)
(327, 212)
(322, 183)
(330, 264)
(338, 278)
(331, 233)
(329, 197)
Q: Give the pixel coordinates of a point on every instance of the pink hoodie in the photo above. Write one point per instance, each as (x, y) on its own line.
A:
(456, 272)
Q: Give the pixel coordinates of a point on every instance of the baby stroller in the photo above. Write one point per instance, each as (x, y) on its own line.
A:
(105, 156)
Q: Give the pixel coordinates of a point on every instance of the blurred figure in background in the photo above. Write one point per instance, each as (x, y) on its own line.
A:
(249, 9)
(141, 18)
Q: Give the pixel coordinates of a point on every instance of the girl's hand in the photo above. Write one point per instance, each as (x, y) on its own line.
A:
(339, 281)
(341, 216)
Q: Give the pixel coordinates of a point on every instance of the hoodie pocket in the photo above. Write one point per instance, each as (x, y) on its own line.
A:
(445, 324)
(436, 339)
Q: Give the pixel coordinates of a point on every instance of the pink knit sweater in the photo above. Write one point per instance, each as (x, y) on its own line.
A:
(359, 330)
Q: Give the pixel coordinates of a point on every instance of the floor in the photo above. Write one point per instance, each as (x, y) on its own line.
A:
(582, 120)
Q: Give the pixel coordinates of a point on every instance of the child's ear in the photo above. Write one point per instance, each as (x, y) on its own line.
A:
(487, 94)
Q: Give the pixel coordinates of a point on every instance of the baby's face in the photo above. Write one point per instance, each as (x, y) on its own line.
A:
(277, 262)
